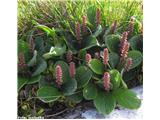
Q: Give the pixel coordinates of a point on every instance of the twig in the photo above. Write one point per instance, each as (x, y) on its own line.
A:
(57, 113)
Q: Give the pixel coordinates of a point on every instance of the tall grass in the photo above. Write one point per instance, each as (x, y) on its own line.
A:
(61, 13)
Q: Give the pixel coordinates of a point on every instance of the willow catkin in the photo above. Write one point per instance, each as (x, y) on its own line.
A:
(88, 58)
(58, 75)
(72, 69)
(105, 56)
(106, 81)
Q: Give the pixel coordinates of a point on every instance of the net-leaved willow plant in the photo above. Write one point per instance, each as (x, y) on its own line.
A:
(86, 61)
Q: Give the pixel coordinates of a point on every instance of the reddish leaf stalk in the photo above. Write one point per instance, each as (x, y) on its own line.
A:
(72, 69)
(32, 45)
(59, 75)
(113, 27)
(106, 56)
(78, 32)
(128, 64)
(98, 16)
(106, 81)
(69, 56)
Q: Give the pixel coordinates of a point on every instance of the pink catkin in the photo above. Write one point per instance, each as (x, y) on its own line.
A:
(78, 32)
(84, 23)
(131, 25)
(98, 16)
(141, 29)
(113, 27)
(128, 64)
(105, 56)
(123, 38)
(88, 58)
(69, 56)
(58, 75)
(21, 61)
(72, 69)
(106, 81)
(124, 49)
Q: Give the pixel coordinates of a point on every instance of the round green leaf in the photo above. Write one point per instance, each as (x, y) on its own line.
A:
(48, 94)
(91, 13)
(90, 42)
(76, 98)
(127, 99)
(39, 45)
(83, 75)
(115, 78)
(21, 82)
(134, 41)
(105, 103)
(136, 57)
(113, 59)
(90, 91)
(69, 87)
(43, 82)
(33, 80)
(129, 75)
(112, 42)
(65, 70)
(96, 66)
(98, 31)
(41, 66)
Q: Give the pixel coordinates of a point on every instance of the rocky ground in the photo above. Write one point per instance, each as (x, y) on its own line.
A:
(87, 111)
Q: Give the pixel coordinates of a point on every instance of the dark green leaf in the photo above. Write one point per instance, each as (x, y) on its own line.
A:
(113, 59)
(134, 41)
(127, 99)
(41, 66)
(21, 82)
(39, 45)
(105, 103)
(43, 82)
(69, 87)
(90, 42)
(33, 80)
(91, 13)
(96, 66)
(136, 57)
(98, 31)
(48, 94)
(90, 91)
(23, 47)
(83, 75)
(77, 98)
(112, 42)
